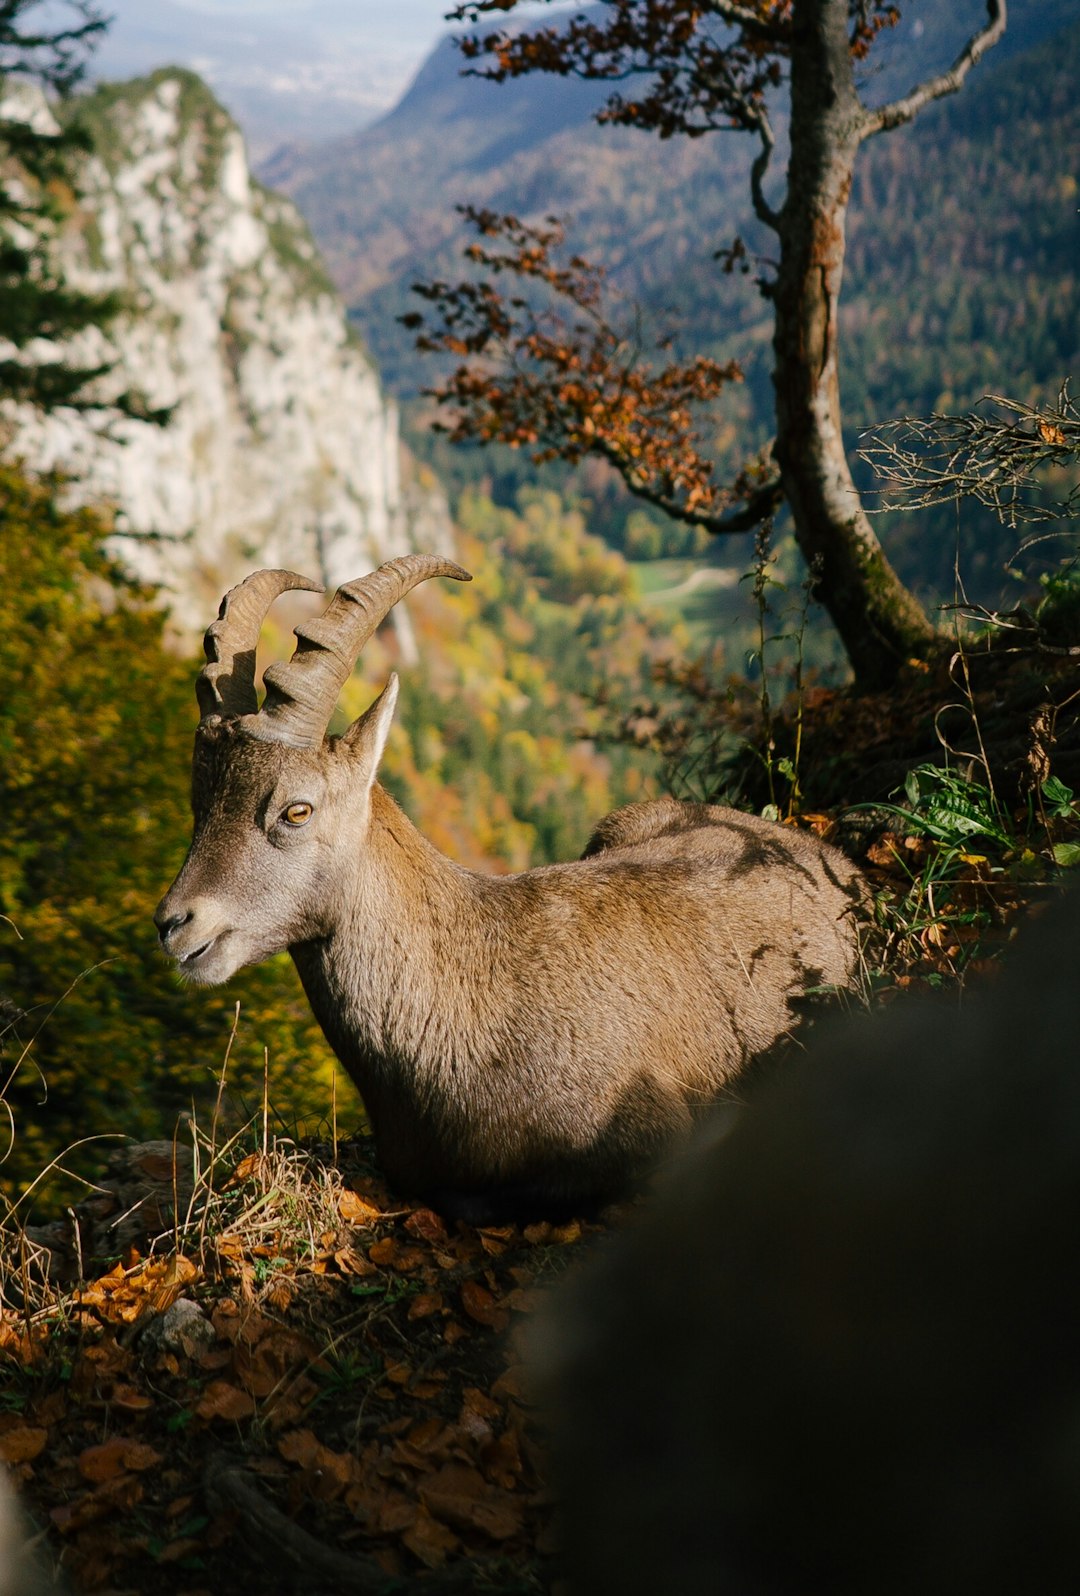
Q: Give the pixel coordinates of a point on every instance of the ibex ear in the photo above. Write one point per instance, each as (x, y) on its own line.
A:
(366, 737)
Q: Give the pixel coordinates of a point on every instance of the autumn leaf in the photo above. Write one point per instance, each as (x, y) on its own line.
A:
(424, 1305)
(221, 1400)
(460, 1496)
(1049, 433)
(115, 1457)
(429, 1540)
(480, 1305)
(389, 1253)
(23, 1444)
(357, 1210)
(425, 1225)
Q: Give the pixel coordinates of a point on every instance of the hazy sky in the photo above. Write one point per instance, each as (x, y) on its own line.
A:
(287, 69)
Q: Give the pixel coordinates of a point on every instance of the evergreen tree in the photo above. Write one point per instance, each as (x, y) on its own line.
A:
(35, 151)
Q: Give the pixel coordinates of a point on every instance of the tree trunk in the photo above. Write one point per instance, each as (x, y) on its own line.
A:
(880, 622)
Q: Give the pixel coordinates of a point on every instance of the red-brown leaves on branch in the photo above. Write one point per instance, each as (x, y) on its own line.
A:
(708, 64)
(550, 374)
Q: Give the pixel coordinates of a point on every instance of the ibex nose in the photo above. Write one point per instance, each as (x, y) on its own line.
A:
(168, 923)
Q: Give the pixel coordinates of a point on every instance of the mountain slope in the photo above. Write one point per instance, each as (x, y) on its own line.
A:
(280, 445)
(381, 203)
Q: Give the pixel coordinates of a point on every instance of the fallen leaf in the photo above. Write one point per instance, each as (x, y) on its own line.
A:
(459, 1495)
(513, 1382)
(480, 1305)
(429, 1540)
(424, 1305)
(109, 1459)
(381, 1510)
(389, 1253)
(221, 1400)
(129, 1398)
(357, 1210)
(123, 1492)
(425, 1225)
(501, 1459)
(475, 1401)
(23, 1444)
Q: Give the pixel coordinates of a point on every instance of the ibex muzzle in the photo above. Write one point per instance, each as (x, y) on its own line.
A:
(520, 1042)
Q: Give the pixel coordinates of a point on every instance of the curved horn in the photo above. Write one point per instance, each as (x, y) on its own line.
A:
(300, 695)
(226, 683)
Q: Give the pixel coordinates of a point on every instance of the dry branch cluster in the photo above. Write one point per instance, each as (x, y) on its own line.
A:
(999, 454)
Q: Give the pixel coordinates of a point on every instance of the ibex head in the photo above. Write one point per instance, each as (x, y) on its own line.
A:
(270, 792)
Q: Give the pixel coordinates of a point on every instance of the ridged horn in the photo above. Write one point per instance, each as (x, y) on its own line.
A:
(301, 694)
(226, 683)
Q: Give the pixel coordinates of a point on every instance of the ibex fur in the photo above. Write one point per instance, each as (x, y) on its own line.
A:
(522, 1041)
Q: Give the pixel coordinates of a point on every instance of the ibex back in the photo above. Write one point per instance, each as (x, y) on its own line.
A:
(520, 1042)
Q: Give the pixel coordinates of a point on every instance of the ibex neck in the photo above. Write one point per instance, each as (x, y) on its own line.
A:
(388, 985)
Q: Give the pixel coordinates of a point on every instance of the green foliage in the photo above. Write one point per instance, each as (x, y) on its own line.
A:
(95, 729)
(952, 808)
(1058, 610)
(35, 301)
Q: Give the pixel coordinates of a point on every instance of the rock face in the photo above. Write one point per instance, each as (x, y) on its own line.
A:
(280, 448)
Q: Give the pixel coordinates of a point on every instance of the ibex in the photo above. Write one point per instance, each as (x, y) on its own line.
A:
(520, 1042)
(838, 1351)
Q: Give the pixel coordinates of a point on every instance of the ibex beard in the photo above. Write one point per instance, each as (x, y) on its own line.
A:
(521, 1043)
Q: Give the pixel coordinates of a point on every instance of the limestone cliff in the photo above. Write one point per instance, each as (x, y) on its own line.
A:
(280, 446)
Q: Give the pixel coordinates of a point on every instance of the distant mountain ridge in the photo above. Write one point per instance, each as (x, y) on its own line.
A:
(381, 203)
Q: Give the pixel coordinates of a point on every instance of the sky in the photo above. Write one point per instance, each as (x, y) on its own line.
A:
(289, 70)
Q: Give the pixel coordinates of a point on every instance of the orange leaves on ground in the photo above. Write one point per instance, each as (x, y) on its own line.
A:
(429, 1540)
(328, 1474)
(220, 1400)
(425, 1225)
(147, 1286)
(460, 1496)
(114, 1495)
(22, 1443)
(389, 1253)
(357, 1210)
(427, 1303)
(119, 1456)
(480, 1305)
(354, 1376)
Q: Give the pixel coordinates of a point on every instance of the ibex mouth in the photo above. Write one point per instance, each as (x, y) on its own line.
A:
(187, 962)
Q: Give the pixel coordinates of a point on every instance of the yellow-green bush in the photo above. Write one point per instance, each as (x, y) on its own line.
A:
(96, 720)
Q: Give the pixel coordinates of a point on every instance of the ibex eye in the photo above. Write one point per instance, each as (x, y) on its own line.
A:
(297, 814)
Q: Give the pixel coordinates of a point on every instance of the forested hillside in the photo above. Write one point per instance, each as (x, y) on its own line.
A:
(963, 231)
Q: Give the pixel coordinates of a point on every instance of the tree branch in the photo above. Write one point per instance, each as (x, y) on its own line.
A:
(740, 16)
(904, 110)
(762, 209)
(758, 504)
(730, 11)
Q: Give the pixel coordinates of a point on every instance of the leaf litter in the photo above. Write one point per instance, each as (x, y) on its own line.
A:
(356, 1404)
